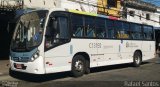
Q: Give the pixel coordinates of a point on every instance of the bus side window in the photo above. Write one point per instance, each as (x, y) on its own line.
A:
(111, 32)
(90, 27)
(78, 31)
(148, 32)
(57, 32)
(52, 26)
(110, 28)
(50, 31)
(90, 32)
(77, 26)
(63, 29)
(136, 31)
(122, 29)
(100, 28)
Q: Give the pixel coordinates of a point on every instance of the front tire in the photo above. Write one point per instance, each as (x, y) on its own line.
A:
(137, 59)
(78, 66)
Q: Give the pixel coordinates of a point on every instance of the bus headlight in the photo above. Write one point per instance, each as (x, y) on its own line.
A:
(35, 56)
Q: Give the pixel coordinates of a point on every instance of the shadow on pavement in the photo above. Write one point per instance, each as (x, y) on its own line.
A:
(38, 78)
(49, 77)
(114, 67)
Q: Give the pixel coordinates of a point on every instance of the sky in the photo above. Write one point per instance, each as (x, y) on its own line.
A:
(156, 2)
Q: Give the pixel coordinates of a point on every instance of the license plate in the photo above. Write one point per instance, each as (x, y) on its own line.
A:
(18, 66)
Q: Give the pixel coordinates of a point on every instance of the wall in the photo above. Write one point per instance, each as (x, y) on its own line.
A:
(140, 17)
(81, 5)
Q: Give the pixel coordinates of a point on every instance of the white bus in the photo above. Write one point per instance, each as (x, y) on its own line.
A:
(57, 40)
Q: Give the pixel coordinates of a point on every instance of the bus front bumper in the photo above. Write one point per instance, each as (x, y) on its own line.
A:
(35, 67)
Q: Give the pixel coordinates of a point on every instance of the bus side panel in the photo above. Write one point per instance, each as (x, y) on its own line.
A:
(58, 59)
(126, 50)
(148, 49)
(109, 51)
(136, 45)
(88, 46)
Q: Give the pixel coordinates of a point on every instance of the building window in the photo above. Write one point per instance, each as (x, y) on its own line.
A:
(148, 16)
(140, 17)
(112, 3)
(131, 13)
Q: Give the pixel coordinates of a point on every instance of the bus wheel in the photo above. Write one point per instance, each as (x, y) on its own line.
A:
(137, 59)
(78, 66)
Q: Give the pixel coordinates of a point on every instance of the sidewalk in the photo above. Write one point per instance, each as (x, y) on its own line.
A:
(4, 67)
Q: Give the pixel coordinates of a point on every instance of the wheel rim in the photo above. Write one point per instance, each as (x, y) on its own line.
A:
(79, 66)
(137, 59)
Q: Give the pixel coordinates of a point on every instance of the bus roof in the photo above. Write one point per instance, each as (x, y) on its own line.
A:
(83, 13)
(92, 14)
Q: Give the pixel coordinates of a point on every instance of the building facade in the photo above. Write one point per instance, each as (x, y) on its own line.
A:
(141, 12)
(109, 7)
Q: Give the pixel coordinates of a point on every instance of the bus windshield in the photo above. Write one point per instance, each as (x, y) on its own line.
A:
(29, 31)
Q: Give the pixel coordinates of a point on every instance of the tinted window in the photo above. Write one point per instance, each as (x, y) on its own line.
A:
(122, 30)
(110, 29)
(100, 28)
(148, 32)
(77, 25)
(90, 27)
(63, 28)
(136, 31)
(57, 32)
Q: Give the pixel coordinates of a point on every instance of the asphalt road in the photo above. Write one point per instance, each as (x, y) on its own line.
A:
(123, 75)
